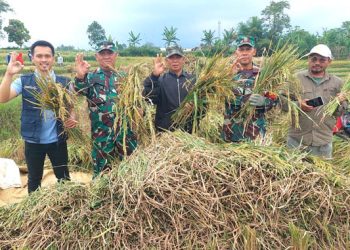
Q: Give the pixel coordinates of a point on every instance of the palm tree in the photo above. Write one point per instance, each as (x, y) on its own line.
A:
(134, 39)
(169, 36)
(208, 38)
(229, 37)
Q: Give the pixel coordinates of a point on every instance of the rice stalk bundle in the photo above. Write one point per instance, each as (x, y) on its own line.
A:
(341, 153)
(213, 85)
(132, 110)
(183, 192)
(277, 75)
(330, 108)
(79, 150)
(53, 96)
(210, 126)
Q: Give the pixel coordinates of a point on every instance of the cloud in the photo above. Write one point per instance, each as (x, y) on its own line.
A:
(66, 21)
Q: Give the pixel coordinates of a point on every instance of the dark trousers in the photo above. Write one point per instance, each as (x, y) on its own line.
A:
(35, 156)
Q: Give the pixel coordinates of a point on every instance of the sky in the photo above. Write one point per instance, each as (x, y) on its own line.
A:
(66, 21)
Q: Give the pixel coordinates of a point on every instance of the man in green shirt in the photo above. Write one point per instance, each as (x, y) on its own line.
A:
(316, 130)
(101, 91)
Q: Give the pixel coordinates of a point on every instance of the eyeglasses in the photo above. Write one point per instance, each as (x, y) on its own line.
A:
(320, 59)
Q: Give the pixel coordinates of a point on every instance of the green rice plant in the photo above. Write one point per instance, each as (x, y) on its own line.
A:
(300, 239)
(12, 148)
(330, 108)
(341, 152)
(213, 85)
(10, 114)
(277, 76)
(53, 96)
(132, 110)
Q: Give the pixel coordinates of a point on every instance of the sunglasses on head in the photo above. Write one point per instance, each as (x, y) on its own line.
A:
(317, 58)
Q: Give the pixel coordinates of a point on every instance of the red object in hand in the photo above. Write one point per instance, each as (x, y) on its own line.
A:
(338, 126)
(271, 95)
(19, 58)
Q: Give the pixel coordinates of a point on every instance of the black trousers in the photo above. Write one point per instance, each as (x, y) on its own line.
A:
(35, 156)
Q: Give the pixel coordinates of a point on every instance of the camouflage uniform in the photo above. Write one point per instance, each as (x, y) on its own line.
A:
(236, 128)
(100, 88)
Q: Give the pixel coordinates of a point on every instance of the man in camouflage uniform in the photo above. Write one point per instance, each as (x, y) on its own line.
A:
(236, 128)
(101, 90)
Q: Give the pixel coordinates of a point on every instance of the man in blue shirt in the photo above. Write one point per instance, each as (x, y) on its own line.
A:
(42, 132)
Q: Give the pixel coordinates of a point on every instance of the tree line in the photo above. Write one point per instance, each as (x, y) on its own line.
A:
(270, 28)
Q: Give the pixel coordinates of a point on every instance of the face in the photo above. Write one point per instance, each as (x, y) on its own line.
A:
(175, 63)
(318, 63)
(106, 59)
(43, 59)
(245, 54)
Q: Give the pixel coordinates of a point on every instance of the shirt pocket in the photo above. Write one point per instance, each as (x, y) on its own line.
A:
(330, 93)
(308, 94)
(28, 127)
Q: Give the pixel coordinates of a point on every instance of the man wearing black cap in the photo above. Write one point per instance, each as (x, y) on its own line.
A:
(101, 92)
(168, 89)
(237, 128)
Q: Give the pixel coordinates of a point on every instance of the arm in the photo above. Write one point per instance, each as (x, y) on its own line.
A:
(14, 67)
(151, 89)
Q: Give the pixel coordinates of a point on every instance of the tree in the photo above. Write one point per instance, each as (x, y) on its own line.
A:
(337, 41)
(134, 39)
(229, 37)
(303, 40)
(169, 36)
(63, 47)
(110, 39)
(254, 27)
(17, 32)
(275, 20)
(4, 7)
(208, 38)
(96, 34)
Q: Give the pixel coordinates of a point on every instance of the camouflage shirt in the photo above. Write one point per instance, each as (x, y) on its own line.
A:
(100, 88)
(236, 128)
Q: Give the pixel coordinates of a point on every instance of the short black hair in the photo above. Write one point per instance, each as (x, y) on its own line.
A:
(43, 44)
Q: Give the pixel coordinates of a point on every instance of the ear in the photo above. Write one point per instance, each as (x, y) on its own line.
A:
(254, 52)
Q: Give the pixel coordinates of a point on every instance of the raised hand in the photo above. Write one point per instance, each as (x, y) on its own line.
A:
(159, 65)
(236, 66)
(81, 66)
(14, 67)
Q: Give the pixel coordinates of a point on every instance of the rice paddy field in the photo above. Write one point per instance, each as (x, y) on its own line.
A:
(182, 191)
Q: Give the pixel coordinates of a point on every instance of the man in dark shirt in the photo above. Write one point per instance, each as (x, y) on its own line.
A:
(167, 89)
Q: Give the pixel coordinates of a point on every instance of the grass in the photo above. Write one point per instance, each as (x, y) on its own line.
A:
(10, 114)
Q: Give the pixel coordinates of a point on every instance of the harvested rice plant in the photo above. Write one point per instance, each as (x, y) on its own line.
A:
(182, 191)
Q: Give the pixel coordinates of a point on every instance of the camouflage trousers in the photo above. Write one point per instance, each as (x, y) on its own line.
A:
(105, 150)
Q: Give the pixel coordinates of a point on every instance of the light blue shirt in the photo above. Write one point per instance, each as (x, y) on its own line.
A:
(48, 133)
